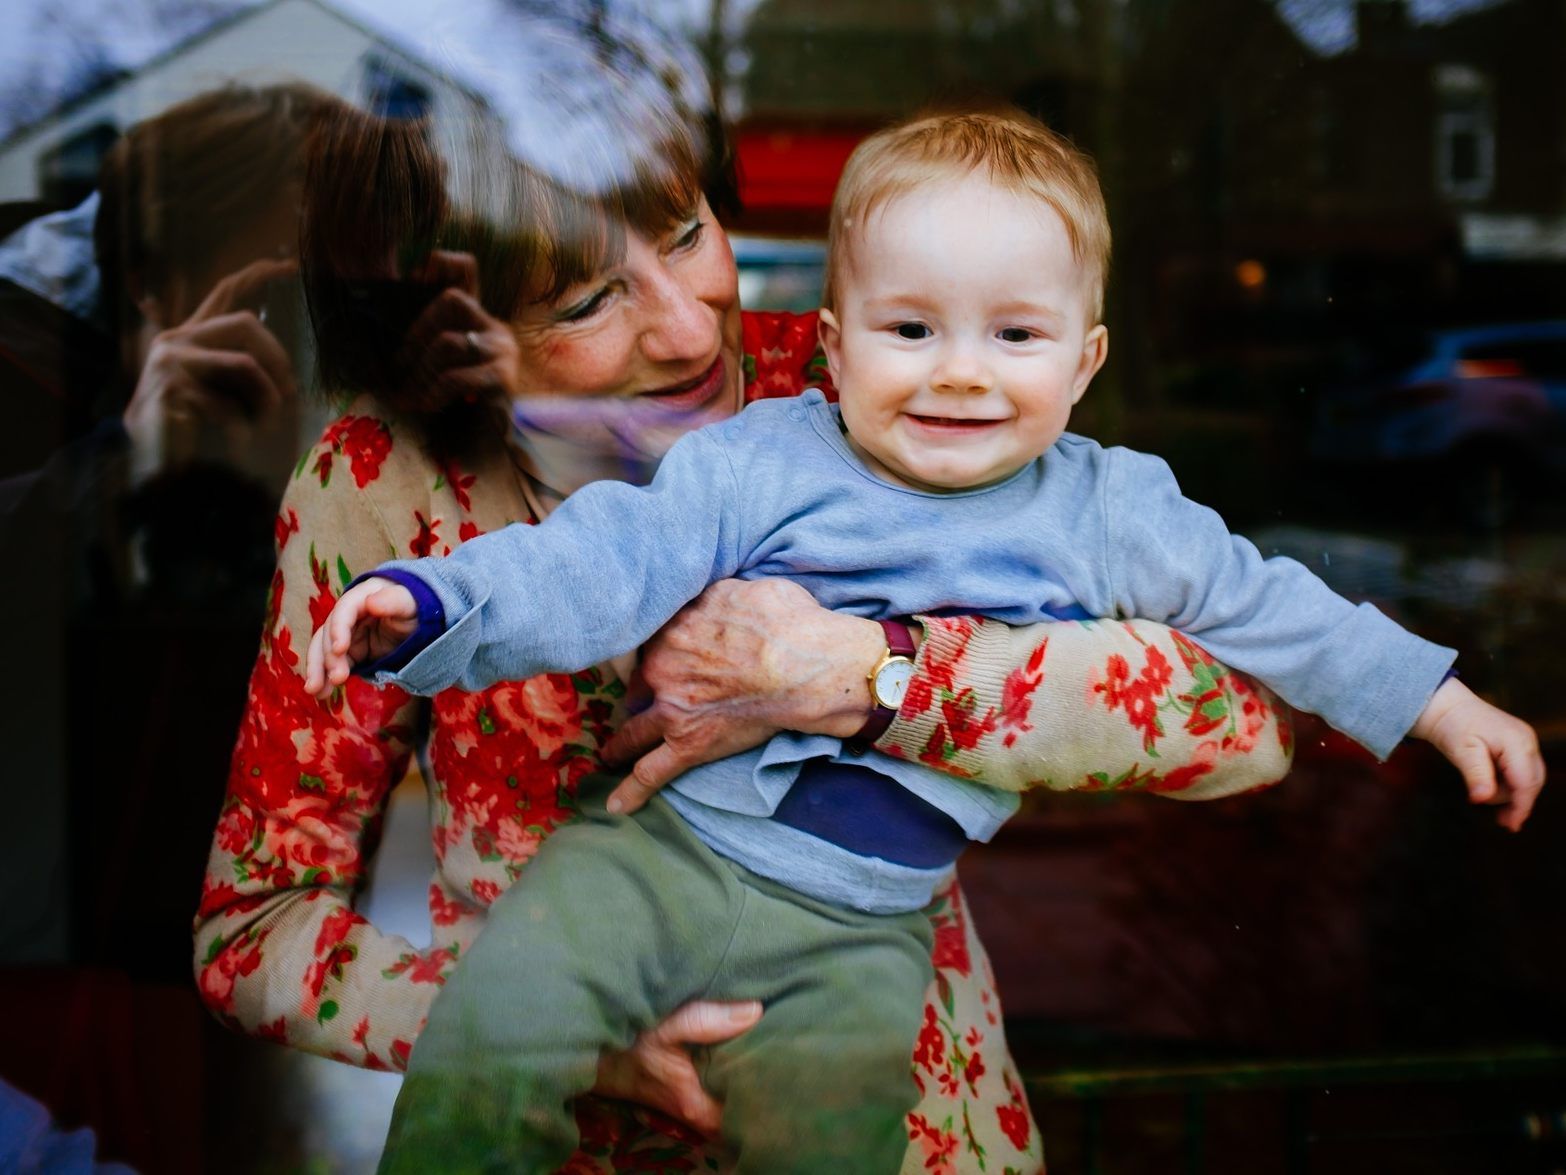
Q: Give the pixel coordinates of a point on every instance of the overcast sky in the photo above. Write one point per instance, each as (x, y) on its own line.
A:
(84, 35)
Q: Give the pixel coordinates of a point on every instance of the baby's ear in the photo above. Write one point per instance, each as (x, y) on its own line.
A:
(1095, 349)
(831, 335)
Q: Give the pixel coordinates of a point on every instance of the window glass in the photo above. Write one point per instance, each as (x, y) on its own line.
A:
(1336, 307)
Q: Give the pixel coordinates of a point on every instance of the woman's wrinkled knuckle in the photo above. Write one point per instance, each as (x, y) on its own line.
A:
(687, 728)
(782, 591)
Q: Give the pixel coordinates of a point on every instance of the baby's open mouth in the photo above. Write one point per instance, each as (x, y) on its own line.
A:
(958, 422)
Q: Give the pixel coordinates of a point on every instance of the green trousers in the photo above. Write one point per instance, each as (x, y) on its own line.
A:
(616, 923)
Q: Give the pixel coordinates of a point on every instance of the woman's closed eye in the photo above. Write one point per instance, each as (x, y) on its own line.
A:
(585, 307)
(688, 235)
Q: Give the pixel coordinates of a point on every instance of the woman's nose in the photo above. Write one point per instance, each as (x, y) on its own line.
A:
(681, 326)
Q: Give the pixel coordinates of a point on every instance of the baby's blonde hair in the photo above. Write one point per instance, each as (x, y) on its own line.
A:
(1009, 148)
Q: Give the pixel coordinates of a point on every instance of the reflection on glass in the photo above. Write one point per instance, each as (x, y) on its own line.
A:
(1336, 310)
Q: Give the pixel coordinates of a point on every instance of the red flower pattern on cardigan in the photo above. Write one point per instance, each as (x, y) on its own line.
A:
(364, 440)
(1231, 735)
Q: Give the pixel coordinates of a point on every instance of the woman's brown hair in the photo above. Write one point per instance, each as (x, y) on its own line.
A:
(177, 187)
(381, 193)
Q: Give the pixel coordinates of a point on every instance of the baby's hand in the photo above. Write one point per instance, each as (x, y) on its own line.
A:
(369, 620)
(1475, 736)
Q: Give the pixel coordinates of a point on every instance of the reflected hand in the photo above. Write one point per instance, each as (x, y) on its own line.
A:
(456, 348)
(219, 366)
(658, 1070)
(741, 662)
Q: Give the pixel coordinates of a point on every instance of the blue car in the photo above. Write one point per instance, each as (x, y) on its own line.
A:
(1481, 409)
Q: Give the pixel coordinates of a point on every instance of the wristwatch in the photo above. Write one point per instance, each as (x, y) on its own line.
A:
(888, 678)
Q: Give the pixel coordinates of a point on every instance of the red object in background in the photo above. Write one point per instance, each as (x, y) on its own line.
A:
(788, 173)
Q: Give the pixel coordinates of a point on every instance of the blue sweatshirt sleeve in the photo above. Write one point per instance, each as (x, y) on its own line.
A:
(1175, 561)
(594, 580)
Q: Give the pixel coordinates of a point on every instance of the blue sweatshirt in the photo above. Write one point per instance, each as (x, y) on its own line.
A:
(777, 491)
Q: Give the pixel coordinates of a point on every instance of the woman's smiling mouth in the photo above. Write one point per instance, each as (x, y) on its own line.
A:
(692, 394)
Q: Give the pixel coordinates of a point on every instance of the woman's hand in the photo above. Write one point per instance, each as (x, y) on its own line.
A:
(455, 347)
(741, 662)
(220, 366)
(368, 621)
(658, 1070)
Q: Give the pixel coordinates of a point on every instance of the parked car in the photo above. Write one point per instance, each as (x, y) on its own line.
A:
(1471, 418)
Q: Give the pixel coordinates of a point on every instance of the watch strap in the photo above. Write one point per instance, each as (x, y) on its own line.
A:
(899, 639)
(899, 643)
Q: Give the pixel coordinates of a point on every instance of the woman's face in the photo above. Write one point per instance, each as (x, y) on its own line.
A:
(643, 351)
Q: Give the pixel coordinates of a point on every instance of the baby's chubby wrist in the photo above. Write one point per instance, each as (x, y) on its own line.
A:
(1450, 695)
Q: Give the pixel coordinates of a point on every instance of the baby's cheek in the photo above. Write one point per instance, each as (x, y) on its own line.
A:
(858, 417)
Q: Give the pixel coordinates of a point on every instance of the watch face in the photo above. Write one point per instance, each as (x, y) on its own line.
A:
(891, 683)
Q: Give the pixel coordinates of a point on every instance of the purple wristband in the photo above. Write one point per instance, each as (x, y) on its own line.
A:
(432, 621)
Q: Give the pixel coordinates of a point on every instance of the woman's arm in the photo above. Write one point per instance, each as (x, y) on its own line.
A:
(1095, 705)
(279, 951)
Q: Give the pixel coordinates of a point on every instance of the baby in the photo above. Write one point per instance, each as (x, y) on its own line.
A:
(967, 263)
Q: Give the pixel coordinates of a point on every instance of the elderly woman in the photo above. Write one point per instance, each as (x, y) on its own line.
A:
(571, 333)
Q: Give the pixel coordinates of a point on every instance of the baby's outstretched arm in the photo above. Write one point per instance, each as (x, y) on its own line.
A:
(1476, 736)
(368, 621)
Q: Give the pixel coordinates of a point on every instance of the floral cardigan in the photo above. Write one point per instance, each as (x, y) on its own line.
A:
(281, 953)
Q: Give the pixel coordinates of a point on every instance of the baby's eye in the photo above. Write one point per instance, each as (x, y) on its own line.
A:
(912, 330)
(1015, 334)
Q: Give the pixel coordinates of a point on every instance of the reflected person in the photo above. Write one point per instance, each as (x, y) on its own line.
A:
(149, 422)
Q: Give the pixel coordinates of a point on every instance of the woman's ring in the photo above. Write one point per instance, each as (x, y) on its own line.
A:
(475, 352)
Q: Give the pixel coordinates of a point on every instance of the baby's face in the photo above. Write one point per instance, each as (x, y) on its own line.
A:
(961, 337)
